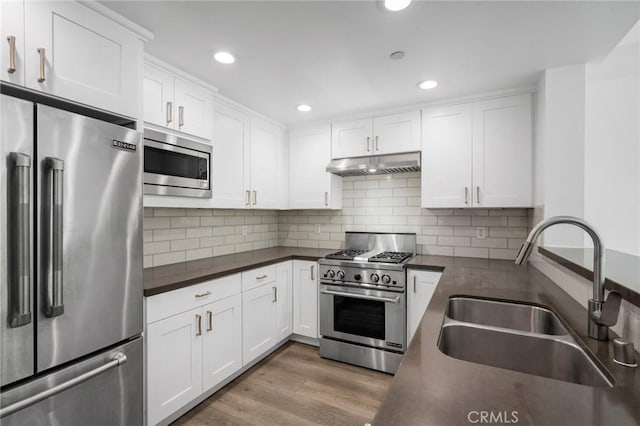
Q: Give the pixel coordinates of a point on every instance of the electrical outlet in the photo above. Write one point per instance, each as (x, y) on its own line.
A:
(481, 233)
(317, 228)
(244, 230)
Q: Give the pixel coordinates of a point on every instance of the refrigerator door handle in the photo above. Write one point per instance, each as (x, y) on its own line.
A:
(20, 314)
(117, 360)
(55, 289)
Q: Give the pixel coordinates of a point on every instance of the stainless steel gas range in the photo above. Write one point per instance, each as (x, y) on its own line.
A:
(363, 307)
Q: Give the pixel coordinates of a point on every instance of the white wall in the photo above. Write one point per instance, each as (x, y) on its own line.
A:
(562, 144)
(612, 146)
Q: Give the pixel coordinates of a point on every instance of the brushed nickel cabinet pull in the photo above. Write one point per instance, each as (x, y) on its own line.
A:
(180, 116)
(247, 198)
(203, 294)
(414, 283)
(210, 320)
(261, 277)
(275, 294)
(198, 325)
(478, 194)
(466, 195)
(12, 54)
(377, 148)
(326, 199)
(41, 52)
(255, 197)
(368, 140)
(169, 112)
(312, 277)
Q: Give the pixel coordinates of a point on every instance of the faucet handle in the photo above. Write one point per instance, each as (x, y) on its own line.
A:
(608, 315)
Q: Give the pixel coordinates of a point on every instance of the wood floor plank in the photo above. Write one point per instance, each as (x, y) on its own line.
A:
(295, 386)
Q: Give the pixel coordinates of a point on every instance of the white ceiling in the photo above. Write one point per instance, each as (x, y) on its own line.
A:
(335, 55)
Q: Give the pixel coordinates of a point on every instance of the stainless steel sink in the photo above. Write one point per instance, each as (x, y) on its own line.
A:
(519, 337)
(516, 316)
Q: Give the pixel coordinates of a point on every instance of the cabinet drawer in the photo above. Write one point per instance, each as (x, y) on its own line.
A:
(257, 277)
(177, 301)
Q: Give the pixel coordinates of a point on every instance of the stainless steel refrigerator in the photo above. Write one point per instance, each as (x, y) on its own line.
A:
(70, 268)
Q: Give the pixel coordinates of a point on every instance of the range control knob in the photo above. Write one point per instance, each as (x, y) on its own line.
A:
(341, 275)
(357, 277)
(375, 278)
(330, 273)
(386, 279)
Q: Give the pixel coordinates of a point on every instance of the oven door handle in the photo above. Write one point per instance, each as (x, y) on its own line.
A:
(362, 296)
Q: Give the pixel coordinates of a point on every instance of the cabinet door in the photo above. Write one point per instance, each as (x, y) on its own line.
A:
(258, 321)
(305, 298)
(12, 26)
(265, 140)
(310, 186)
(284, 300)
(158, 105)
(87, 57)
(446, 156)
(352, 138)
(222, 342)
(422, 284)
(231, 159)
(502, 158)
(396, 133)
(193, 108)
(174, 363)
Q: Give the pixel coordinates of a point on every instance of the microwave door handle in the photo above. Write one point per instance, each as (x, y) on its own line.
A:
(362, 296)
(55, 287)
(20, 313)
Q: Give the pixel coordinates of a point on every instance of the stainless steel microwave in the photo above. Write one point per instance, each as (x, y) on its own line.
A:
(176, 166)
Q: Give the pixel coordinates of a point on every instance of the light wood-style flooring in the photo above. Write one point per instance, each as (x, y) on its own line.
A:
(294, 386)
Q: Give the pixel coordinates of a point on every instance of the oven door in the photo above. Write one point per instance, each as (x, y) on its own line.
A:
(176, 170)
(374, 318)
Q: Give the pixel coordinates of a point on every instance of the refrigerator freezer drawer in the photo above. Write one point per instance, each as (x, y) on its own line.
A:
(105, 389)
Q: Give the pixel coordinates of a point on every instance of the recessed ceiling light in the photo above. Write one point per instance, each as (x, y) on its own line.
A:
(397, 55)
(304, 108)
(427, 84)
(224, 57)
(396, 5)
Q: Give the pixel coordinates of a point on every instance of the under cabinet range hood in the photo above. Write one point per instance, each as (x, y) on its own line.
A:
(376, 164)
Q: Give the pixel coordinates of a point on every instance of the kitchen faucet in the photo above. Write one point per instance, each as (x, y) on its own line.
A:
(602, 315)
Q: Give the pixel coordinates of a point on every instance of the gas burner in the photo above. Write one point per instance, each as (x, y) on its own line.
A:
(347, 254)
(391, 257)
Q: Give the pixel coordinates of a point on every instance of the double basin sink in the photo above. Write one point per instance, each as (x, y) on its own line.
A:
(517, 336)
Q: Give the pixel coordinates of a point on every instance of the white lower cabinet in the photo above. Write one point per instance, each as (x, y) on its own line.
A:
(194, 342)
(305, 298)
(420, 287)
(266, 310)
(174, 364)
(222, 340)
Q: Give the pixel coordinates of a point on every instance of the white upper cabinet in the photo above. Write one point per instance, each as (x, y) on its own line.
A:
(73, 52)
(176, 103)
(478, 154)
(231, 167)
(351, 138)
(265, 143)
(310, 186)
(446, 156)
(386, 134)
(396, 133)
(157, 96)
(12, 38)
(502, 152)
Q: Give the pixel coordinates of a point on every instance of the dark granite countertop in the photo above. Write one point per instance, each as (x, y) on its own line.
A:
(431, 388)
(622, 270)
(165, 278)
